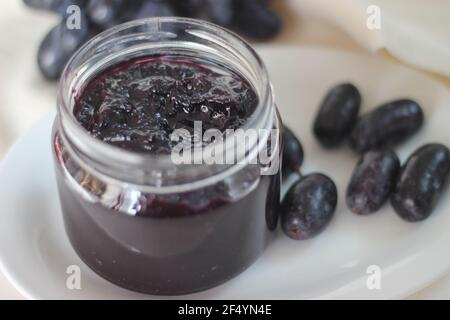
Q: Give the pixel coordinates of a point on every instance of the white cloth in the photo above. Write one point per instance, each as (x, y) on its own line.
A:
(415, 31)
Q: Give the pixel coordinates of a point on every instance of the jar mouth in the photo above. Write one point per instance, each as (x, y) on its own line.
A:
(146, 37)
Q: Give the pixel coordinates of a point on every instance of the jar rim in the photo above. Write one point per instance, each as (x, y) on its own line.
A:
(84, 144)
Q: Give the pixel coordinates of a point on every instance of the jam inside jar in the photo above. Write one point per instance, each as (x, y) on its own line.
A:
(131, 213)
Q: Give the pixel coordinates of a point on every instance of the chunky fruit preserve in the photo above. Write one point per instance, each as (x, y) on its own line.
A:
(132, 215)
(137, 104)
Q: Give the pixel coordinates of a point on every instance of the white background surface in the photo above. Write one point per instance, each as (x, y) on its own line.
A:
(21, 31)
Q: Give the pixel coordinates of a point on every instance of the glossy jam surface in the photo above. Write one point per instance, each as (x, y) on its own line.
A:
(137, 104)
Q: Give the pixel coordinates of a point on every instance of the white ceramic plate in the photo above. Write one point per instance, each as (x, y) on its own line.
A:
(35, 252)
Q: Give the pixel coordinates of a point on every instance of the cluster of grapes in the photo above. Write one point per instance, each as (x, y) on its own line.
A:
(251, 18)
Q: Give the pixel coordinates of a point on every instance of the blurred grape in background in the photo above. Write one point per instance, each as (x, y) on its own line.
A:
(251, 18)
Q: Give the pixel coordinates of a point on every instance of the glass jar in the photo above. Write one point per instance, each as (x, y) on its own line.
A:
(139, 220)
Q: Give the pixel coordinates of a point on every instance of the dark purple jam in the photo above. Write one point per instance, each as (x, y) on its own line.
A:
(165, 243)
(138, 104)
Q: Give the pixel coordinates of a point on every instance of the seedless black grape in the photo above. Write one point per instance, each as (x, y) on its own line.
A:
(423, 178)
(337, 115)
(372, 181)
(308, 206)
(292, 152)
(387, 125)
